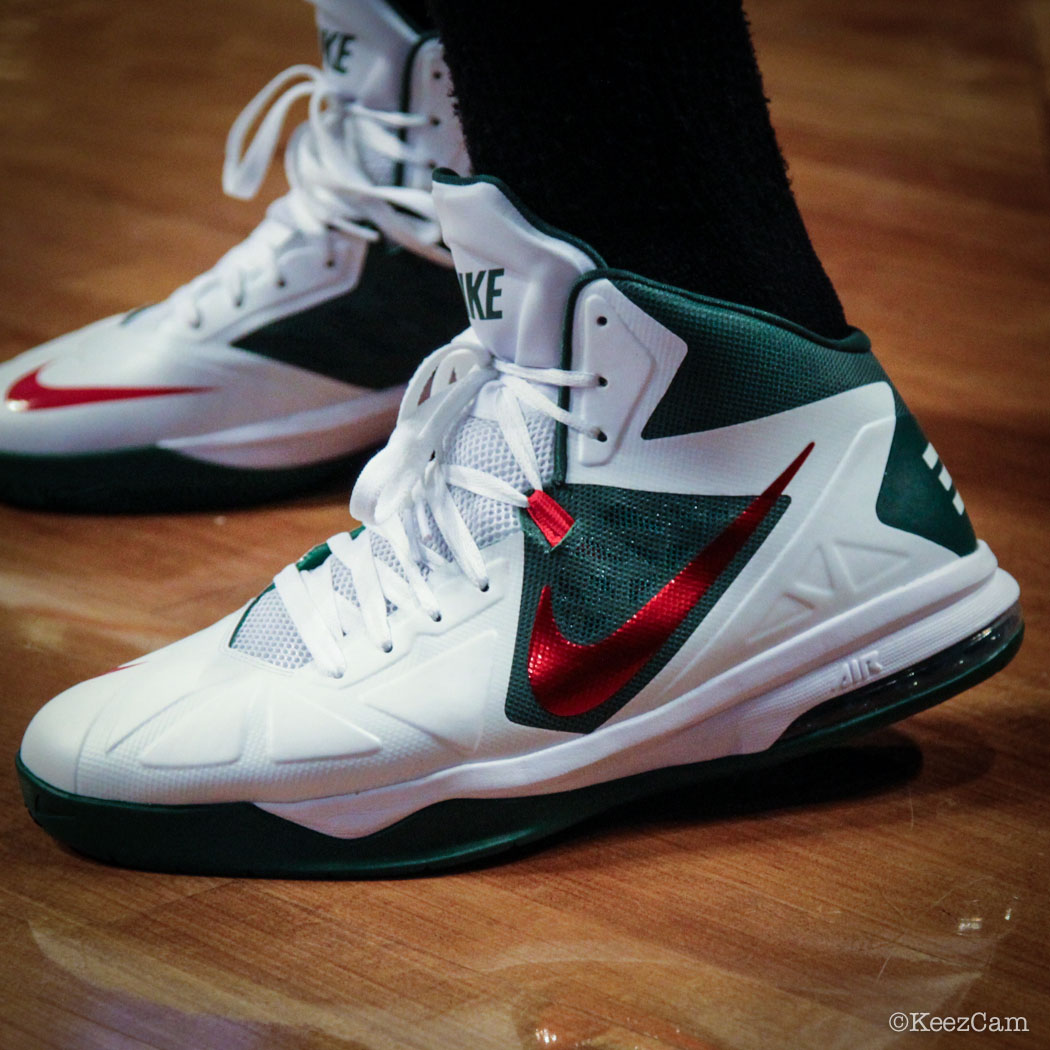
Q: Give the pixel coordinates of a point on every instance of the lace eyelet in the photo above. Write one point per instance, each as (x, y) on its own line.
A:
(601, 436)
(435, 122)
(436, 618)
(330, 263)
(387, 647)
(484, 587)
(281, 282)
(602, 381)
(602, 321)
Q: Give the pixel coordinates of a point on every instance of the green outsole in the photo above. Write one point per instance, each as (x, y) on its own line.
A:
(238, 838)
(154, 480)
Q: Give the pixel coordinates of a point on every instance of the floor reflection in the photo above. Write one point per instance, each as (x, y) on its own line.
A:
(531, 975)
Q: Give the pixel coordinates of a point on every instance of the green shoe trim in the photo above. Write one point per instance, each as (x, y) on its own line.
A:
(150, 480)
(913, 498)
(742, 364)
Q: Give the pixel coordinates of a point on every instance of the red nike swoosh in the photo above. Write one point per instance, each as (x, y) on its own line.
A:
(28, 394)
(571, 679)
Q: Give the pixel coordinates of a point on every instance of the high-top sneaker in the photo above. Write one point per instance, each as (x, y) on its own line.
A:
(623, 538)
(262, 375)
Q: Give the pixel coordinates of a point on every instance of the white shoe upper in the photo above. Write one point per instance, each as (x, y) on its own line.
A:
(380, 118)
(375, 679)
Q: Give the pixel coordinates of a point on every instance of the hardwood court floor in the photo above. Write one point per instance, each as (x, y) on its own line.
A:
(796, 909)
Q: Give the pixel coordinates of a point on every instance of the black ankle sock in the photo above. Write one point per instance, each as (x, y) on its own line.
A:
(415, 12)
(643, 130)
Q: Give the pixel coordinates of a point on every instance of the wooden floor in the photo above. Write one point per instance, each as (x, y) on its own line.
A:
(799, 909)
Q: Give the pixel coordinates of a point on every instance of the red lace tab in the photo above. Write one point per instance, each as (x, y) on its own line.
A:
(551, 518)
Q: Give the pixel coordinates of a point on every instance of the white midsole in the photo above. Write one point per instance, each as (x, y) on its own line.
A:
(741, 711)
(300, 438)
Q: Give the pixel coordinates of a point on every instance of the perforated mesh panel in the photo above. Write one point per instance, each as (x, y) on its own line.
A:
(624, 548)
(267, 631)
(746, 366)
(479, 444)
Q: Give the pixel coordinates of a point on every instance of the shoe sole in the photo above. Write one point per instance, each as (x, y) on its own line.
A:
(153, 480)
(240, 466)
(236, 839)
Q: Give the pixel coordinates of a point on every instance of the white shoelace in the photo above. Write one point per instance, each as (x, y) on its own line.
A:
(407, 485)
(330, 188)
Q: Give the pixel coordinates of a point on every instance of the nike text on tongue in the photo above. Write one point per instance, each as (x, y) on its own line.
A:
(335, 49)
(481, 306)
(515, 272)
(364, 48)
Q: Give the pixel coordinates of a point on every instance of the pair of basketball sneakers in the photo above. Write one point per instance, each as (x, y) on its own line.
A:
(622, 539)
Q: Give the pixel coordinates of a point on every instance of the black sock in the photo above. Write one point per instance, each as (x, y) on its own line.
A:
(415, 12)
(643, 130)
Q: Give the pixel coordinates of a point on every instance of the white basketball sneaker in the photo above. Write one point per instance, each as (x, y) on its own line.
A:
(261, 376)
(623, 538)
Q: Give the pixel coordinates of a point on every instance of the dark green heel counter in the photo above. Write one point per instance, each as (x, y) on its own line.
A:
(914, 498)
(375, 335)
(742, 364)
(749, 364)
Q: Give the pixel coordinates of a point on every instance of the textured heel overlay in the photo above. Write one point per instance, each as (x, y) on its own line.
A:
(743, 365)
(918, 494)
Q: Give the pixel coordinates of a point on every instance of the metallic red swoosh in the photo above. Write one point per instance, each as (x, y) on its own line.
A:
(28, 394)
(571, 679)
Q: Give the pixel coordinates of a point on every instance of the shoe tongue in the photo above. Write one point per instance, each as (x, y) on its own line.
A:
(364, 48)
(516, 274)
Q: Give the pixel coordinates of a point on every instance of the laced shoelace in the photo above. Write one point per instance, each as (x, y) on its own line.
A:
(407, 485)
(330, 188)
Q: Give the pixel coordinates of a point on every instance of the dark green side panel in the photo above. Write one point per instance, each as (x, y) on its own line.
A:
(376, 334)
(743, 364)
(912, 496)
(624, 547)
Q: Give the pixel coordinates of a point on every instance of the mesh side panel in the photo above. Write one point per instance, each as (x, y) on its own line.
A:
(488, 520)
(746, 366)
(432, 538)
(343, 583)
(267, 631)
(479, 444)
(624, 548)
